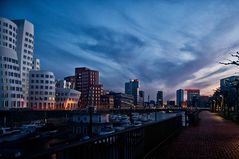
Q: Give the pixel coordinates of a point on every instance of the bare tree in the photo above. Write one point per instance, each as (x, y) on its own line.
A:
(232, 62)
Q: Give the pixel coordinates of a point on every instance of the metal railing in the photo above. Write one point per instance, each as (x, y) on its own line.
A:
(128, 144)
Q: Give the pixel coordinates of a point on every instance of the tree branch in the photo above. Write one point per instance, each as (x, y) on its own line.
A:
(232, 62)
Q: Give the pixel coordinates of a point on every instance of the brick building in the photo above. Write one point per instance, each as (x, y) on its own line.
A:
(87, 82)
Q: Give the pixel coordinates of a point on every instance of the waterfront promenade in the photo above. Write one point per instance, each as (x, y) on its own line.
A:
(214, 137)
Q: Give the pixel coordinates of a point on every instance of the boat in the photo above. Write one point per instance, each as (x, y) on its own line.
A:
(106, 131)
(9, 134)
(28, 128)
(119, 128)
(137, 123)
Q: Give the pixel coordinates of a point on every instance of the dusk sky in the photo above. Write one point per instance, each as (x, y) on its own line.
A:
(166, 44)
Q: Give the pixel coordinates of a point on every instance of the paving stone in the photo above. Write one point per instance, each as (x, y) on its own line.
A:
(213, 138)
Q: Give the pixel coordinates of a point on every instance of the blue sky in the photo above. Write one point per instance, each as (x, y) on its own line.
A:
(166, 44)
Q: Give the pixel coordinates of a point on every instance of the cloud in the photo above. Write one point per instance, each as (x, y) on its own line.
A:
(166, 44)
(114, 44)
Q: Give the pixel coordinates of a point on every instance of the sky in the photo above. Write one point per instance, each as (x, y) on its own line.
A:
(166, 44)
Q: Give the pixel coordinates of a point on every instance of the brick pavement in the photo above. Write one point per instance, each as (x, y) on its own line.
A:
(213, 138)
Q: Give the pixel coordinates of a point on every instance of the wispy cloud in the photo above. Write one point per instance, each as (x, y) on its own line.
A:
(166, 44)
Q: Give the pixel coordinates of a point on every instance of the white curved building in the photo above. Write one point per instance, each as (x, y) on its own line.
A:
(67, 99)
(25, 47)
(41, 90)
(10, 79)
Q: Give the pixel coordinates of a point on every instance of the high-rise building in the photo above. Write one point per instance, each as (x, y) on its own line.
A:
(36, 64)
(192, 96)
(41, 90)
(132, 88)
(87, 82)
(180, 97)
(10, 79)
(25, 47)
(159, 100)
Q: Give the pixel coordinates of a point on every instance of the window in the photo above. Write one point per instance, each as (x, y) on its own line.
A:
(5, 24)
(4, 43)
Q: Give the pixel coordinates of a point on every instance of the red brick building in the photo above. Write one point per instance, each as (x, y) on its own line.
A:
(106, 102)
(87, 82)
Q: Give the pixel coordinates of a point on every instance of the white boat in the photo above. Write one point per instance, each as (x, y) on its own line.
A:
(28, 128)
(137, 123)
(85, 138)
(6, 131)
(106, 131)
(9, 134)
(119, 128)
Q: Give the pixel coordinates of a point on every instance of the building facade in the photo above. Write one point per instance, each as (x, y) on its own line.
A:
(226, 83)
(192, 97)
(171, 103)
(132, 88)
(41, 90)
(87, 82)
(179, 97)
(67, 99)
(141, 98)
(80, 123)
(25, 48)
(72, 80)
(123, 101)
(106, 102)
(159, 100)
(10, 79)
(36, 64)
